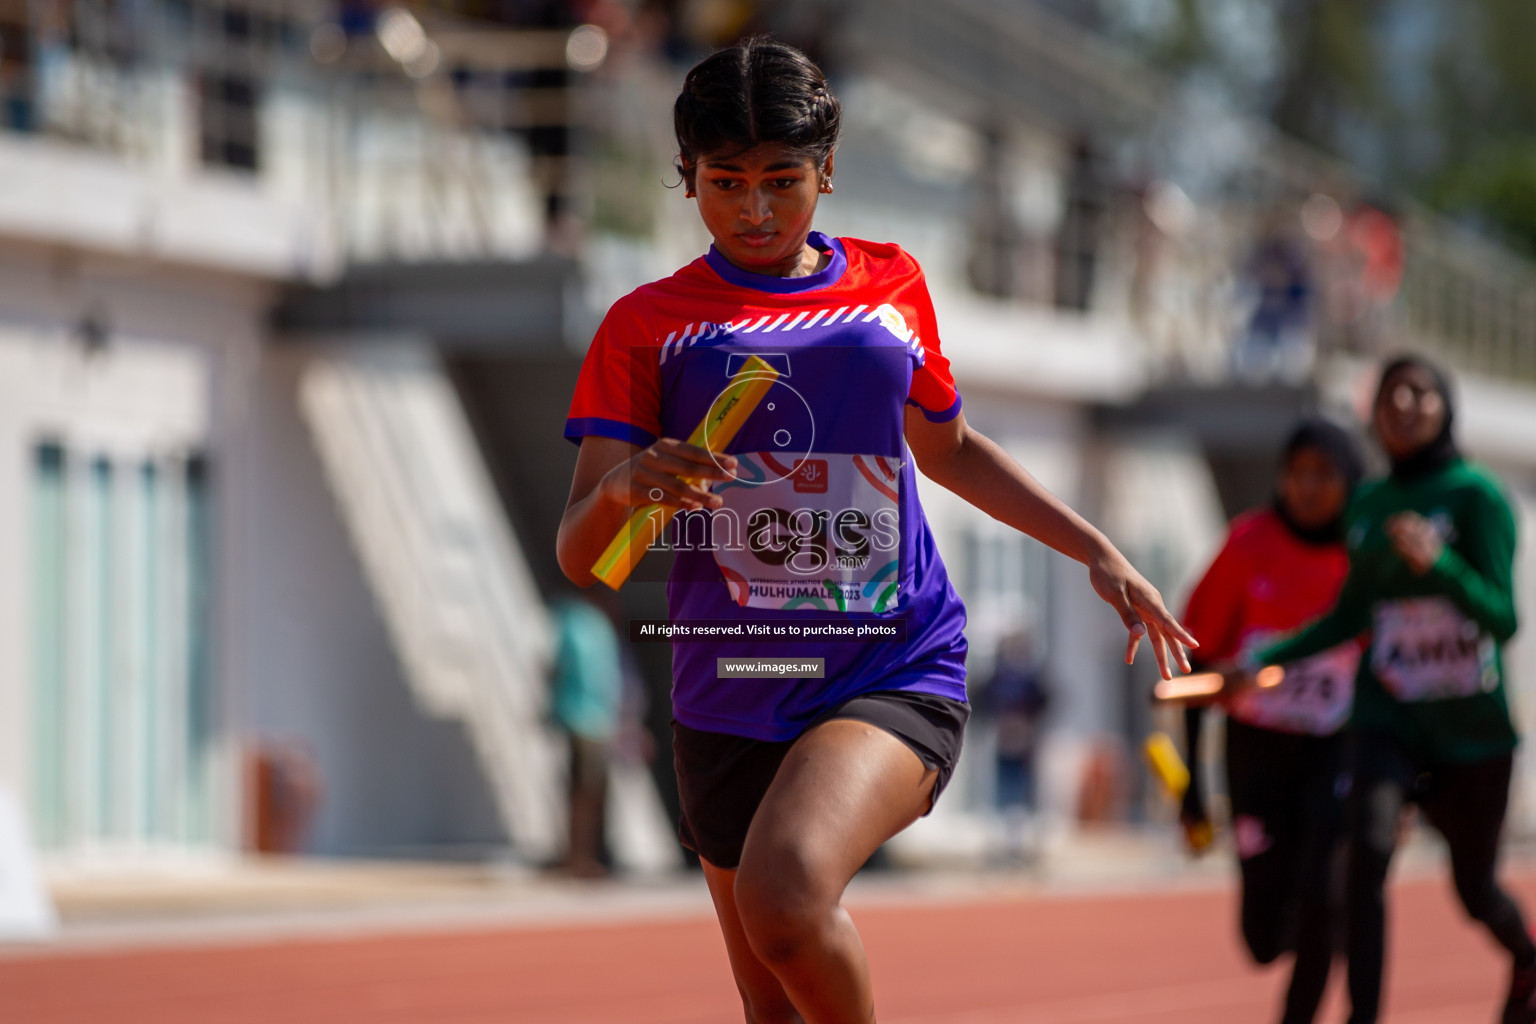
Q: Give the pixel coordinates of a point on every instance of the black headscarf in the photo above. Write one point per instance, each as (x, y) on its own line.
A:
(1338, 447)
(1442, 450)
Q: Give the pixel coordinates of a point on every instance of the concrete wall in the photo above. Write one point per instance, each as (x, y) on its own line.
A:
(299, 650)
(144, 389)
(315, 661)
(61, 194)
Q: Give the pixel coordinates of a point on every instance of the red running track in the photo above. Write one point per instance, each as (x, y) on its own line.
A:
(1155, 959)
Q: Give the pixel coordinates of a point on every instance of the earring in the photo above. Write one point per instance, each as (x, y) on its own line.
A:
(826, 187)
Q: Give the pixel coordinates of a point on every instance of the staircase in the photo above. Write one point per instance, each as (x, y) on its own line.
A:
(454, 590)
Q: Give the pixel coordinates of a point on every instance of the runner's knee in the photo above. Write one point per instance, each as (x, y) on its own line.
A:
(783, 903)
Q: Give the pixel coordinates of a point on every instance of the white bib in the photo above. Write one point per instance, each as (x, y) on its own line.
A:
(1423, 648)
(822, 532)
(1315, 697)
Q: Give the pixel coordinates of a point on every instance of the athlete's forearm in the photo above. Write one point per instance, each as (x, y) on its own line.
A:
(1326, 632)
(1345, 622)
(585, 530)
(1485, 601)
(980, 471)
(593, 513)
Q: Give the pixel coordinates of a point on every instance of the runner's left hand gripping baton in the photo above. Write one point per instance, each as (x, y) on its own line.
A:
(716, 430)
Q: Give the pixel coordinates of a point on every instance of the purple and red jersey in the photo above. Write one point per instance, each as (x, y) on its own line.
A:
(823, 519)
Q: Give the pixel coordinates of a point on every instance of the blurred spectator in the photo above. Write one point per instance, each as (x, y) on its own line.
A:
(716, 23)
(1374, 236)
(549, 136)
(1159, 307)
(1103, 789)
(15, 66)
(588, 689)
(357, 17)
(1016, 696)
(995, 235)
(1278, 341)
(1364, 256)
(1082, 225)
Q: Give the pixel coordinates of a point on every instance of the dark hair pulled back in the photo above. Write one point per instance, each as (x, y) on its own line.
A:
(755, 92)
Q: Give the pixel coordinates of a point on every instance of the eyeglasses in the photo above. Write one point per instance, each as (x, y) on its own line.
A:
(1405, 394)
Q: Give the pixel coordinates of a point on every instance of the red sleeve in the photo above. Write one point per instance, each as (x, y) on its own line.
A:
(1215, 610)
(618, 393)
(933, 385)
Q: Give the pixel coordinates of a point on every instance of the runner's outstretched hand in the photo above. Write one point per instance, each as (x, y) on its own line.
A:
(1141, 608)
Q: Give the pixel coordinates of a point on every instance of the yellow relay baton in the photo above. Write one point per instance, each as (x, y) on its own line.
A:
(1166, 764)
(1169, 769)
(718, 428)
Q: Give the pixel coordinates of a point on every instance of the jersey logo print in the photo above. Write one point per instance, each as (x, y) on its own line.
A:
(891, 319)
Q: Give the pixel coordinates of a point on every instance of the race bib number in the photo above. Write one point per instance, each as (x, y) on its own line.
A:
(822, 532)
(1425, 649)
(1315, 697)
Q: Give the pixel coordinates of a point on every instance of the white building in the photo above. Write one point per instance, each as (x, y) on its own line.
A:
(180, 587)
(283, 366)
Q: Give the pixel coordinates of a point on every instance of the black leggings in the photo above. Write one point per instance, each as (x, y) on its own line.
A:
(1288, 795)
(1466, 804)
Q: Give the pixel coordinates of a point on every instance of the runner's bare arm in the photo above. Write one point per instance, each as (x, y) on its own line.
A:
(613, 478)
(978, 470)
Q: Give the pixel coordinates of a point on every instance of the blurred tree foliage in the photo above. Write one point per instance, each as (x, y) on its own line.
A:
(1328, 70)
(1433, 97)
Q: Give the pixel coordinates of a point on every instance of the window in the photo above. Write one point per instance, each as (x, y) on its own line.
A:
(1006, 587)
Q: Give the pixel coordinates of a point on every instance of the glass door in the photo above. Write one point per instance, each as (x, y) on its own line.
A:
(123, 707)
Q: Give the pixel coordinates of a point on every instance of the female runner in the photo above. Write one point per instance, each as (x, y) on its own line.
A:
(788, 785)
(1281, 567)
(1431, 563)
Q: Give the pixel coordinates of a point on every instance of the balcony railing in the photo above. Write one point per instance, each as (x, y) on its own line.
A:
(421, 136)
(996, 63)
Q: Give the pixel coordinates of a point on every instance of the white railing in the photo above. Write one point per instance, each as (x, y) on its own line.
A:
(410, 142)
(423, 158)
(1470, 301)
(992, 62)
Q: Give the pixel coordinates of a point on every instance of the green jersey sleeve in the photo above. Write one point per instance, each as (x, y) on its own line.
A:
(1477, 574)
(1349, 617)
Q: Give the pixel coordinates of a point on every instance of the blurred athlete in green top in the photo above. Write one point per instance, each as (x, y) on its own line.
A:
(1431, 564)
